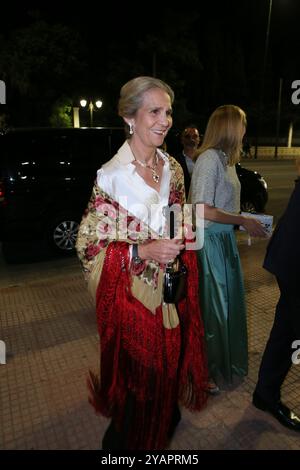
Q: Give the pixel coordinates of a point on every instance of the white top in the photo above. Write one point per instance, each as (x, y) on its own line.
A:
(120, 180)
(215, 183)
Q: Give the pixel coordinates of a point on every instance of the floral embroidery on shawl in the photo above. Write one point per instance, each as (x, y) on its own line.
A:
(105, 220)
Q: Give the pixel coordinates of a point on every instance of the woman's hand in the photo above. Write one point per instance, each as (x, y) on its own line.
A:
(162, 251)
(253, 227)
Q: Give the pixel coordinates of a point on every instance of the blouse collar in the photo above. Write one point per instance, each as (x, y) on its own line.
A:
(125, 155)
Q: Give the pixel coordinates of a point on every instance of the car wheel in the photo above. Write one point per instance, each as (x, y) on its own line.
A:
(62, 234)
(248, 206)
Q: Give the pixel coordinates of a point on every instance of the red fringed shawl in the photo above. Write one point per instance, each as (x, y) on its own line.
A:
(142, 361)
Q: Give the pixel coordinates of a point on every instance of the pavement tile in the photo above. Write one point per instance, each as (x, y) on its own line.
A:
(48, 323)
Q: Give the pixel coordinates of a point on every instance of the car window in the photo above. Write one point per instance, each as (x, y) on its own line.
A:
(90, 150)
(19, 152)
(43, 152)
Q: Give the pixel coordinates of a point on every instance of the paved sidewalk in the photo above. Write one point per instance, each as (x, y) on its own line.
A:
(48, 323)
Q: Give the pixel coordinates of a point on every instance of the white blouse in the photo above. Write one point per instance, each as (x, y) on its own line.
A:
(120, 180)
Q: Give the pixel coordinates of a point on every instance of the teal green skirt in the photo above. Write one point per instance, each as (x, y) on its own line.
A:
(223, 306)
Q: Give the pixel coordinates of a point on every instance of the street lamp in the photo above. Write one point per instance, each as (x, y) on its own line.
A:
(91, 107)
(262, 86)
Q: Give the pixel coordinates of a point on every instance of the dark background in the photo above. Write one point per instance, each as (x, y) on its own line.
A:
(210, 52)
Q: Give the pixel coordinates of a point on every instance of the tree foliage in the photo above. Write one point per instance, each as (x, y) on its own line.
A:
(61, 115)
(161, 54)
(40, 63)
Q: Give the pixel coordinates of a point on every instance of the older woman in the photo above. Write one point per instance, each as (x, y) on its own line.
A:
(151, 352)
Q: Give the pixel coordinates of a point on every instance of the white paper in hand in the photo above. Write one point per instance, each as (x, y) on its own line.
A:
(264, 219)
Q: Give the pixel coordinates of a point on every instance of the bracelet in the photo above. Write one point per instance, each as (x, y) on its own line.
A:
(137, 263)
(135, 256)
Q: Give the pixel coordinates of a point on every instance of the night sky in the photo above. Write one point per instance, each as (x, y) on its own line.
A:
(112, 31)
(132, 20)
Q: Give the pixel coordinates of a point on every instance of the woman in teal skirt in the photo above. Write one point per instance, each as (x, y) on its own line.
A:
(215, 185)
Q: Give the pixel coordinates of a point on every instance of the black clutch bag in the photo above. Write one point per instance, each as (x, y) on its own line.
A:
(175, 282)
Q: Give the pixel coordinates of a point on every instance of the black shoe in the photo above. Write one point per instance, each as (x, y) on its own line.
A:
(176, 417)
(112, 439)
(281, 412)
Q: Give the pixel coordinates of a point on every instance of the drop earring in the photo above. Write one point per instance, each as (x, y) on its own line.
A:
(130, 128)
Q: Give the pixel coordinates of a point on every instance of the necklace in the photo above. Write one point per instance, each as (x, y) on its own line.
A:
(155, 175)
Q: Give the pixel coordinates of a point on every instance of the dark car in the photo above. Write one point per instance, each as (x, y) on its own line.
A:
(254, 194)
(46, 177)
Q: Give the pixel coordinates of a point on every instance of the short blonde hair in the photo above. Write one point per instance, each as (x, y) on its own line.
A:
(223, 132)
(132, 94)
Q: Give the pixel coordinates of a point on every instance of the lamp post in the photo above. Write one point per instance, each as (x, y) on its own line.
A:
(262, 89)
(91, 106)
(278, 119)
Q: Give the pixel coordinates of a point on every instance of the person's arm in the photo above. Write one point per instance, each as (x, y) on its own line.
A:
(162, 251)
(251, 225)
